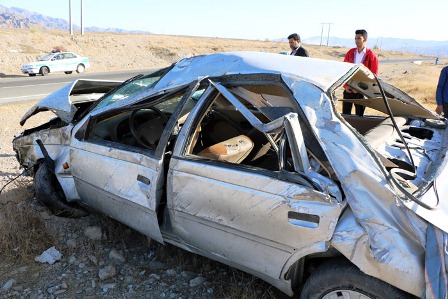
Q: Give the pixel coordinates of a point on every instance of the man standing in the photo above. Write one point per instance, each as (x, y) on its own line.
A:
(442, 93)
(296, 46)
(358, 55)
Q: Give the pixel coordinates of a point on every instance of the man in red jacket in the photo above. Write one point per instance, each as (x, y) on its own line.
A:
(360, 54)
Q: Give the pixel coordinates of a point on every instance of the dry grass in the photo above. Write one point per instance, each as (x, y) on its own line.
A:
(419, 81)
(22, 232)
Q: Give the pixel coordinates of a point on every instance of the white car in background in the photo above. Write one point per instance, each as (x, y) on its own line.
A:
(66, 62)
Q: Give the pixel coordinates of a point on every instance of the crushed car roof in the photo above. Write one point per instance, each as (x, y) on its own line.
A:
(320, 72)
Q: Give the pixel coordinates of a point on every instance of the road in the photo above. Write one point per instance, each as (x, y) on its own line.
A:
(32, 88)
(406, 60)
(23, 88)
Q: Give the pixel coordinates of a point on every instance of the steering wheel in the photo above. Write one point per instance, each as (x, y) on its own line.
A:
(148, 133)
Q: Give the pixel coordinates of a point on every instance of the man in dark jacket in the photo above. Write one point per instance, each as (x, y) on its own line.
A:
(442, 93)
(296, 46)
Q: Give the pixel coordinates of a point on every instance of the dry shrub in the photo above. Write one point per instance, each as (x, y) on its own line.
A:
(163, 53)
(38, 40)
(34, 30)
(57, 32)
(28, 49)
(419, 81)
(22, 231)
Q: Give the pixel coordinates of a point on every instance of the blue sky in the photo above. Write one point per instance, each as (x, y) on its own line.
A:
(256, 19)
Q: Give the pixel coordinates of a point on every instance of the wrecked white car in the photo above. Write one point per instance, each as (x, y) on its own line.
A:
(244, 158)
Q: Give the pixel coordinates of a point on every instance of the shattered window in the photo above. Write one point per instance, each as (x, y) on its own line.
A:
(130, 89)
(142, 125)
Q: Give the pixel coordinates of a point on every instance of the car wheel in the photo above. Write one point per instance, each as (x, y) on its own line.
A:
(344, 280)
(68, 72)
(32, 75)
(44, 71)
(49, 192)
(80, 68)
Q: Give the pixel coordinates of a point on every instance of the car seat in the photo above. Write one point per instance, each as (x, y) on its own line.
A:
(233, 150)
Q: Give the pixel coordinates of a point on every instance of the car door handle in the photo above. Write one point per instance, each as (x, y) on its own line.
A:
(143, 179)
(303, 219)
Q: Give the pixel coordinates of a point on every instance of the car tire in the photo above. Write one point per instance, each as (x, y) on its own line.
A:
(32, 75)
(44, 71)
(49, 192)
(68, 72)
(80, 68)
(344, 280)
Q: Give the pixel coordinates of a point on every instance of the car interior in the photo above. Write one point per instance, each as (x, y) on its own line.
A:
(224, 134)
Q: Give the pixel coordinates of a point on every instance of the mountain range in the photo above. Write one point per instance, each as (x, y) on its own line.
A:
(20, 18)
(430, 48)
(15, 17)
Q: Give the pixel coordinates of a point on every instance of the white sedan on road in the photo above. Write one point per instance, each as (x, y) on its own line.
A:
(57, 62)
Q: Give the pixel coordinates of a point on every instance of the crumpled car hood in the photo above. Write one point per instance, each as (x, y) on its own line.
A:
(63, 102)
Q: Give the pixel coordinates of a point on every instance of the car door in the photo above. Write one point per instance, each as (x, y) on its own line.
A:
(247, 211)
(70, 62)
(118, 176)
(56, 63)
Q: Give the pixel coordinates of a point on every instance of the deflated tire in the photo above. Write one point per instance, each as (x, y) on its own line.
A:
(49, 193)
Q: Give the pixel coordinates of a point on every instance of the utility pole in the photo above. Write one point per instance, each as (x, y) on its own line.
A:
(321, 33)
(82, 19)
(328, 36)
(70, 17)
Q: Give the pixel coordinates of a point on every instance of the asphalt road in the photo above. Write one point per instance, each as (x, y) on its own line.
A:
(24, 88)
(407, 60)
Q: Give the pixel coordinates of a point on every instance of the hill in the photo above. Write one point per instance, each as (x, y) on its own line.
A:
(20, 18)
(109, 51)
(23, 19)
(432, 48)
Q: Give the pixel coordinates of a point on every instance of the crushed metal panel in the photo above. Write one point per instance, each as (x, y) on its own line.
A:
(267, 216)
(322, 73)
(53, 139)
(59, 102)
(361, 175)
(401, 104)
(435, 197)
(403, 269)
(398, 107)
(132, 198)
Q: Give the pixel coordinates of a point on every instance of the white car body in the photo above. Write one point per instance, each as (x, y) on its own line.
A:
(67, 62)
(169, 154)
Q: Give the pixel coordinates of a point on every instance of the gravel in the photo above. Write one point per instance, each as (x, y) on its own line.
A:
(97, 257)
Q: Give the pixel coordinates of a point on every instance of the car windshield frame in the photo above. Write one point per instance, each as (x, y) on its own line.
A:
(47, 57)
(130, 88)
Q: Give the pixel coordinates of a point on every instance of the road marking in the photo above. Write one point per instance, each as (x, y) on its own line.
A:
(24, 97)
(36, 85)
